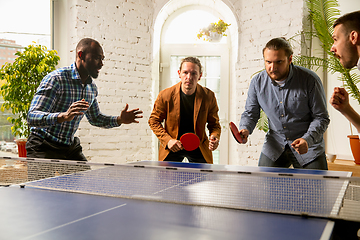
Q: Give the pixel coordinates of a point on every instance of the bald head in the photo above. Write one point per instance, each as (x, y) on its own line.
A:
(85, 45)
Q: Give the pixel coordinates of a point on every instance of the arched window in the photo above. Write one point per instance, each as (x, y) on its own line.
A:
(183, 28)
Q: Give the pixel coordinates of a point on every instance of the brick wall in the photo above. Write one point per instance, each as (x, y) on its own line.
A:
(125, 29)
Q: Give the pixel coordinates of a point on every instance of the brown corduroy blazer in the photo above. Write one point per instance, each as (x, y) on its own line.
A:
(167, 109)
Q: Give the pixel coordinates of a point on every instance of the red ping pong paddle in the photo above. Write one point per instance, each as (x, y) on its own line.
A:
(190, 141)
(235, 132)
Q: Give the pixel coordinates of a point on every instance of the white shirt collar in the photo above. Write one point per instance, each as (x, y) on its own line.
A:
(281, 83)
(358, 65)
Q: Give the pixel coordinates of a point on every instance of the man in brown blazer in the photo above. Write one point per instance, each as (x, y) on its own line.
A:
(186, 107)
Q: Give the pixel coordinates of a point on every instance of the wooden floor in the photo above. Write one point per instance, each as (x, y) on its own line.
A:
(345, 165)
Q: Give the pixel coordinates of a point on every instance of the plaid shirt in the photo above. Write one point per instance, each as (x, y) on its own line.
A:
(56, 92)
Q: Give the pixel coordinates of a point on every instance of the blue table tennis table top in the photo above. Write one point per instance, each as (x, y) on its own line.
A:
(31, 213)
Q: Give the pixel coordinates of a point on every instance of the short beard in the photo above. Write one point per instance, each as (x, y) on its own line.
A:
(93, 75)
(353, 58)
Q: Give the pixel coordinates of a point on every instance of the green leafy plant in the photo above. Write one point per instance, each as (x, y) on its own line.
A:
(263, 123)
(218, 27)
(21, 81)
(322, 14)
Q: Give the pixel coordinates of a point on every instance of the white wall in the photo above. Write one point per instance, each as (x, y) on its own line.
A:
(336, 138)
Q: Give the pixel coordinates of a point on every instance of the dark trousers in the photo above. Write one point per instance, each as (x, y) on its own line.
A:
(193, 156)
(37, 147)
(287, 158)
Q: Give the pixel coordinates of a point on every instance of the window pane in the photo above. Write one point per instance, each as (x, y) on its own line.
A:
(23, 22)
(184, 28)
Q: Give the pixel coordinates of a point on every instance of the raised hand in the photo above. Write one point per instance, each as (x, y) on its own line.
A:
(340, 99)
(130, 116)
(75, 109)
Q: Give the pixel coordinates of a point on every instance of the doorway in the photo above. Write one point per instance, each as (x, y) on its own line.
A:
(179, 40)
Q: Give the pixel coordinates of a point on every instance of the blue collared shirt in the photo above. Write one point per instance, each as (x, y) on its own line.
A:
(56, 92)
(296, 110)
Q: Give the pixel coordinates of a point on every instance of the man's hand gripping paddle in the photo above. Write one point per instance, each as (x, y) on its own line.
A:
(190, 141)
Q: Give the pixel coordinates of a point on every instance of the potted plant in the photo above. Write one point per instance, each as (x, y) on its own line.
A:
(322, 15)
(214, 32)
(22, 78)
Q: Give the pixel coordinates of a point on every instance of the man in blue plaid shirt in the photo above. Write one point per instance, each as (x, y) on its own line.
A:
(62, 99)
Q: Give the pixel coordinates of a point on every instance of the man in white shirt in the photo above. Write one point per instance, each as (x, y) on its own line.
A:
(346, 47)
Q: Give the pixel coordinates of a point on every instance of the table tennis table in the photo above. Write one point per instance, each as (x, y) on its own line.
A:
(28, 211)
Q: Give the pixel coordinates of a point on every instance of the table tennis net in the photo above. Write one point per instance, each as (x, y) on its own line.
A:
(299, 194)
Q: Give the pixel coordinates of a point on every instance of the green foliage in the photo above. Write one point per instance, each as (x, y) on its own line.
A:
(22, 79)
(263, 124)
(322, 14)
